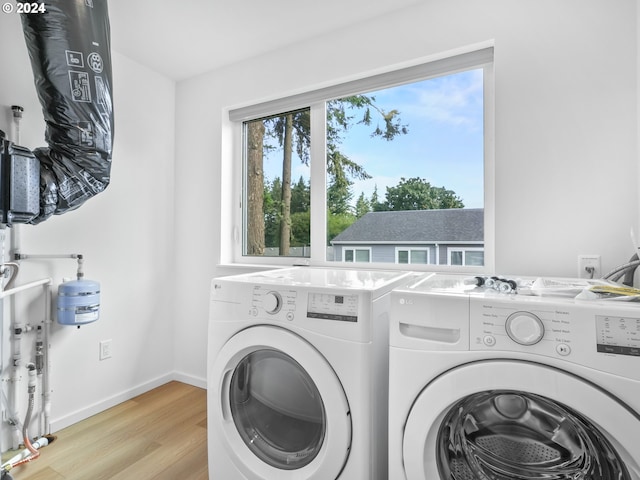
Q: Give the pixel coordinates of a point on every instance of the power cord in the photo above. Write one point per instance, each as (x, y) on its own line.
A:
(590, 270)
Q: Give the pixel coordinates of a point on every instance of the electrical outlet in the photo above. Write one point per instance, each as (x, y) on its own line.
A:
(105, 349)
(589, 266)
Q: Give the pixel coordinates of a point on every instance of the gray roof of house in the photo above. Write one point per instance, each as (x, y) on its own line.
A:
(451, 225)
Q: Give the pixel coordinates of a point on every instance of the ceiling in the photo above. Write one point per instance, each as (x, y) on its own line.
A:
(184, 38)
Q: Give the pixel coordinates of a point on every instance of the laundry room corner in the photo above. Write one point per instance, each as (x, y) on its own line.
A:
(125, 236)
(566, 135)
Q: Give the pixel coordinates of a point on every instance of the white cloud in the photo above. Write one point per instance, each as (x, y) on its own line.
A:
(451, 100)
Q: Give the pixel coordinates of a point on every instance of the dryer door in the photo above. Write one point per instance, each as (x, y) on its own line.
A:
(281, 407)
(500, 420)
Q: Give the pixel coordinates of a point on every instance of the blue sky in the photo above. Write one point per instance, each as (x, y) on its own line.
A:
(444, 145)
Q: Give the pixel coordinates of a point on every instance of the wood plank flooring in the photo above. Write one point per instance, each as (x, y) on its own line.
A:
(159, 435)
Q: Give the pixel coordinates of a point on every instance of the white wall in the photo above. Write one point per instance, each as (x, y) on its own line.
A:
(126, 235)
(566, 131)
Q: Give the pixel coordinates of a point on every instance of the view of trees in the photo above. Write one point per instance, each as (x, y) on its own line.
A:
(278, 211)
(291, 132)
(409, 194)
(417, 194)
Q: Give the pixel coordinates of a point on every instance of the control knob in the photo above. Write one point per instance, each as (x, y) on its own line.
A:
(524, 328)
(272, 302)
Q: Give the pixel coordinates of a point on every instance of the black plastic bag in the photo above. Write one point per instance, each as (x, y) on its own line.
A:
(69, 47)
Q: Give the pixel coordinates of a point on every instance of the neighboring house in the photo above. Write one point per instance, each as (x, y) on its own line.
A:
(437, 237)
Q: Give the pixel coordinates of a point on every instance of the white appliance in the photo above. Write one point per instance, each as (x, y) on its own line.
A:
(494, 386)
(297, 374)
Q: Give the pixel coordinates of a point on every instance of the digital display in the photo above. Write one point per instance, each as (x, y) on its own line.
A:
(618, 335)
(327, 306)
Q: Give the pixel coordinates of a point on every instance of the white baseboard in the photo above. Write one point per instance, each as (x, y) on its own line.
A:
(190, 380)
(84, 413)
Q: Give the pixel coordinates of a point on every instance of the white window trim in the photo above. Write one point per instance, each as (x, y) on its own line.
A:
(354, 249)
(422, 70)
(464, 250)
(479, 56)
(410, 249)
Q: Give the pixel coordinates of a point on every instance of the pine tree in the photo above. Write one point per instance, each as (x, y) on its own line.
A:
(362, 206)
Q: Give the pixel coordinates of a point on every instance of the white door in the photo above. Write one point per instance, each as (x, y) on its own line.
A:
(280, 406)
(500, 420)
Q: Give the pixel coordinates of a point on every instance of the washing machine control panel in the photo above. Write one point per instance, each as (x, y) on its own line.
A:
(604, 337)
(537, 328)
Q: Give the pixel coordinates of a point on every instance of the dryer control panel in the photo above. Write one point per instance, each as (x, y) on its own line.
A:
(273, 302)
(282, 304)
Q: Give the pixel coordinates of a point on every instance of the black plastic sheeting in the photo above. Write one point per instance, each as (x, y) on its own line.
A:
(69, 47)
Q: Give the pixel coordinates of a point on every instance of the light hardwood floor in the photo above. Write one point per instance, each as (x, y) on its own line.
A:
(159, 435)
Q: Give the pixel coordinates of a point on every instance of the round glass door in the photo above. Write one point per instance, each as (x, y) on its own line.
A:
(507, 420)
(502, 435)
(277, 409)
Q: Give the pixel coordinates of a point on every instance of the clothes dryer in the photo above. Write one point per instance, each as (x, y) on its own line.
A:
(493, 386)
(297, 374)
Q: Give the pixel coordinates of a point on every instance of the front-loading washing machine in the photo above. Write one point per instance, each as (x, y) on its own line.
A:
(297, 374)
(487, 385)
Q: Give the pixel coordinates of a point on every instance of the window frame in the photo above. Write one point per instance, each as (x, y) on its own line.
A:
(409, 250)
(233, 237)
(464, 250)
(355, 250)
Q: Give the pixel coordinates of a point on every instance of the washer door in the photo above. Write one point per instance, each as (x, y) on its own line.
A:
(280, 406)
(499, 420)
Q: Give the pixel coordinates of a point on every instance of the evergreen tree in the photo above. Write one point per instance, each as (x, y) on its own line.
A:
(362, 206)
(300, 197)
(339, 196)
(300, 228)
(271, 205)
(376, 205)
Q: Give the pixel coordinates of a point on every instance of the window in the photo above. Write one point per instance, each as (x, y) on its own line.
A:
(359, 255)
(412, 256)
(397, 158)
(466, 256)
(277, 189)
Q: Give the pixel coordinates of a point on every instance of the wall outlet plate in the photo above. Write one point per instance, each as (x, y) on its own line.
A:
(105, 349)
(589, 266)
